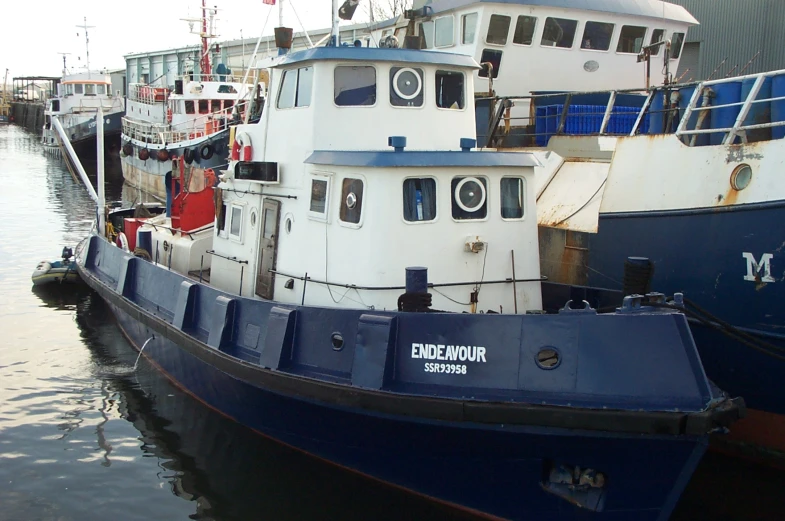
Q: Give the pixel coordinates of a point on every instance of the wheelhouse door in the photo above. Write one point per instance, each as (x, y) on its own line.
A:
(268, 248)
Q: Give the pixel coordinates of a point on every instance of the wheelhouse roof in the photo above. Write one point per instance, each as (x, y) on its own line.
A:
(648, 8)
(368, 54)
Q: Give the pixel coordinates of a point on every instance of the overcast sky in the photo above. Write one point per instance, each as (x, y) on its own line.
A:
(34, 31)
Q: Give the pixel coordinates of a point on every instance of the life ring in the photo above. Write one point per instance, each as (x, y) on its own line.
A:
(163, 155)
(188, 155)
(144, 154)
(206, 152)
(122, 241)
(242, 143)
(128, 149)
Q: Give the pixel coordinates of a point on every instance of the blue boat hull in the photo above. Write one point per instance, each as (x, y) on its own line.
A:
(494, 470)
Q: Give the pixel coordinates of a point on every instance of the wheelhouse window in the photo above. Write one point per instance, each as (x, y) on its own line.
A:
(469, 198)
(100, 89)
(524, 30)
(449, 89)
(597, 36)
(419, 199)
(204, 106)
(296, 88)
(656, 36)
(189, 107)
(558, 32)
(498, 28)
(631, 39)
(320, 186)
(406, 87)
(492, 57)
(511, 195)
(355, 86)
(78, 89)
(89, 89)
(236, 225)
(426, 34)
(677, 40)
(351, 200)
(444, 31)
(468, 28)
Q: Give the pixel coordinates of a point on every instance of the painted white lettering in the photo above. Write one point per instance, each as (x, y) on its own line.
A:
(481, 354)
(452, 352)
(432, 351)
(462, 353)
(754, 267)
(472, 353)
(440, 353)
(415, 354)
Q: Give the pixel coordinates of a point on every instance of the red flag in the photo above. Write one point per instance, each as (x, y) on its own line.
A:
(268, 2)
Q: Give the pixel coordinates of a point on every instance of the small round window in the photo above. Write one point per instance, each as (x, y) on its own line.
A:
(407, 83)
(548, 358)
(470, 194)
(741, 177)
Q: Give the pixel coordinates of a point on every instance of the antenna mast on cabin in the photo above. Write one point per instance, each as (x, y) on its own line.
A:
(205, 33)
(64, 54)
(86, 43)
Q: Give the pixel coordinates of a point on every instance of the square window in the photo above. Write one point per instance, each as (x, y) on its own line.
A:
(288, 90)
(355, 86)
(444, 31)
(351, 201)
(498, 28)
(319, 198)
(468, 28)
(406, 87)
(511, 195)
(449, 89)
(237, 221)
(189, 107)
(631, 39)
(78, 89)
(597, 36)
(304, 86)
(469, 198)
(101, 89)
(494, 57)
(656, 36)
(419, 199)
(426, 34)
(677, 40)
(558, 32)
(524, 30)
(204, 106)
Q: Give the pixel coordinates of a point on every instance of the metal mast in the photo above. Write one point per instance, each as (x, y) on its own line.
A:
(86, 43)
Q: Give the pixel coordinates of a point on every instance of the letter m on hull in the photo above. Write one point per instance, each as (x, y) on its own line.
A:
(754, 268)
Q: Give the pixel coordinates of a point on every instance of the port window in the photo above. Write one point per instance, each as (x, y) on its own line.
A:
(597, 36)
(426, 34)
(631, 39)
(304, 86)
(288, 90)
(406, 87)
(558, 32)
(656, 36)
(468, 28)
(189, 107)
(469, 198)
(419, 199)
(494, 58)
(511, 194)
(351, 201)
(204, 106)
(677, 40)
(235, 228)
(355, 86)
(100, 89)
(444, 31)
(78, 88)
(524, 30)
(450, 89)
(320, 192)
(498, 29)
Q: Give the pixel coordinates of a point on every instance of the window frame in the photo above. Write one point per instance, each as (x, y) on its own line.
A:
(463, 27)
(656, 51)
(681, 48)
(221, 231)
(320, 216)
(436, 200)
(238, 238)
(534, 31)
(363, 197)
(436, 95)
(572, 44)
(488, 205)
(506, 36)
(452, 34)
(610, 40)
(643, 39)
(523, 198)
(355, 65)
(80, 89)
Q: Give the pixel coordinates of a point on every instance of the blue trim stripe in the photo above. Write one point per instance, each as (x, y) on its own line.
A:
(379, 55)
(380, 159)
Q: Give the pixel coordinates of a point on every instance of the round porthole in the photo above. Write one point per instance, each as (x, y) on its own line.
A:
(288, 225)
(337, 341)
(548, 358)
(470, 194)
(407, 83)
(351, 200)
(741, 177)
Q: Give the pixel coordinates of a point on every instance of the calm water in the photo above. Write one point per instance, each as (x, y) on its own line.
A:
(83, 436)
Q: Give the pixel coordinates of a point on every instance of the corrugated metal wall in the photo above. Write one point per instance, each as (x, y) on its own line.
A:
(737, 30)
